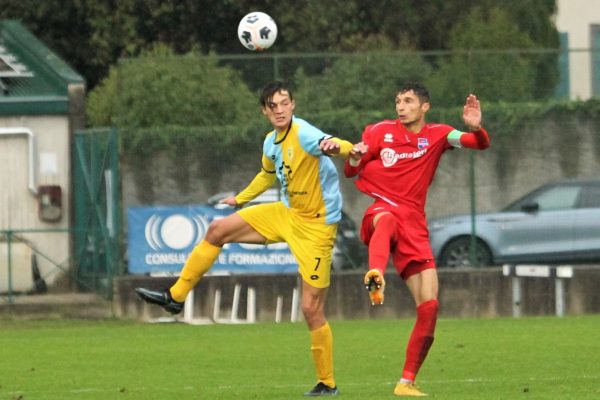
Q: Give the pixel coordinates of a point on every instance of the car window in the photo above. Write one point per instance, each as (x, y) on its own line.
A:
(558, 198)
(590, 197)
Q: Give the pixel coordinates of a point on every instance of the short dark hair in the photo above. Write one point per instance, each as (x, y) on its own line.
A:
(274, 87)
(419, 90)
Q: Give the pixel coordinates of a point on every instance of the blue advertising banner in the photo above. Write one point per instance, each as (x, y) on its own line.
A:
(160, 238)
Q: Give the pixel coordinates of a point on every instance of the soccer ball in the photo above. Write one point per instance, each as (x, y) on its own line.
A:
(257, 31)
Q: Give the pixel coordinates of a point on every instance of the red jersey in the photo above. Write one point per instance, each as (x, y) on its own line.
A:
(400, 165)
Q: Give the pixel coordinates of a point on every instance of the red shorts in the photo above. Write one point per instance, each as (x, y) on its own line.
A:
(411, 252)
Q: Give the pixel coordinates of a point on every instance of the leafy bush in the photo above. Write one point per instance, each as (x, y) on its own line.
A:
(365, 81)
(160, 89)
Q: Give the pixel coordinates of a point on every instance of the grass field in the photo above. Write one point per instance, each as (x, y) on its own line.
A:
(528, 358)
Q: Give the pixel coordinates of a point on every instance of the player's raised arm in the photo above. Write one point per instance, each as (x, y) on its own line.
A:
(477, 138)
(472, 113)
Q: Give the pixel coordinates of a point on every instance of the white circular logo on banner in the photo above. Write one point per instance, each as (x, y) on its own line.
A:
(177, 231)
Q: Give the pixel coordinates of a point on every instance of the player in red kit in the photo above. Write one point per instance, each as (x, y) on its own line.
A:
(395, 163)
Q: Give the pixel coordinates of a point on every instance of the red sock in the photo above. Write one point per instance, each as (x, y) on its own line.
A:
(421, 339)
(381, 241)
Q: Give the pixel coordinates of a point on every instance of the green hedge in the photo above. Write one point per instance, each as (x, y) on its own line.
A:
(503, 120)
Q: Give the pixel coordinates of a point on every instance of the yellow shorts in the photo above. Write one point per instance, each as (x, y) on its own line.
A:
(310, 242)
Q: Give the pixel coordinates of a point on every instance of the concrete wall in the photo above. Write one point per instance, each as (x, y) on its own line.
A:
(507, 170)
(481, 293)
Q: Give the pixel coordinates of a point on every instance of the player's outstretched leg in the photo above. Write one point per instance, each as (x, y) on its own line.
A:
(160, 297)
(197, 264)
(408, 390)
(375, 284)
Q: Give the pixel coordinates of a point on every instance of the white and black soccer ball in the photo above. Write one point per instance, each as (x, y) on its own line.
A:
(257, 31)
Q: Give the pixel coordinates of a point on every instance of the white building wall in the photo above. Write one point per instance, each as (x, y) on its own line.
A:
(19, 206)
(576, 17)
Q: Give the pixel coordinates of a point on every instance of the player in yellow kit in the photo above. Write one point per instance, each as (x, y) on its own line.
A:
(296, 154)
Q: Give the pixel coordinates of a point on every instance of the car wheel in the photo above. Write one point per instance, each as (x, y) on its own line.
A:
(457, 253)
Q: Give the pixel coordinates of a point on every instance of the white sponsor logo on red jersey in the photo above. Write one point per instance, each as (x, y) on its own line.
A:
(389, 157)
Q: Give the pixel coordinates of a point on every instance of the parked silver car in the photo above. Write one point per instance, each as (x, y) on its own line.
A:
(556, 223)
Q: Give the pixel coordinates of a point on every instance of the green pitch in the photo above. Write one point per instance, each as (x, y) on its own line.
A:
(528, 358)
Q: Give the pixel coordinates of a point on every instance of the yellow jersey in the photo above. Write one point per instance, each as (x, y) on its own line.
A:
(308, 178)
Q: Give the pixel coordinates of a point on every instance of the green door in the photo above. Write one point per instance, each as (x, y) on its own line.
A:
(97, 209)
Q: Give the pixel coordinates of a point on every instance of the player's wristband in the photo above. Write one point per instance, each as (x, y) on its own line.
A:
(353, 162)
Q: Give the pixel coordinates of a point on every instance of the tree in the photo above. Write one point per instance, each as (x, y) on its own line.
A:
(87, 34)
(490, 61)
(92, 35)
